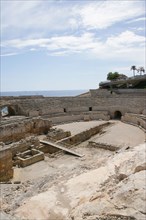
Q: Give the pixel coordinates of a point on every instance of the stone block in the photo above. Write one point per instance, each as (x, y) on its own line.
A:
(6, 165)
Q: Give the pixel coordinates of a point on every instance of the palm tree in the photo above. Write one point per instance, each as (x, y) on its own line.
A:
(141, 70)
(133, 68)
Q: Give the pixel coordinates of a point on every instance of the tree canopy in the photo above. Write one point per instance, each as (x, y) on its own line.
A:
(141, 70)
(133, 68)
(112, 76)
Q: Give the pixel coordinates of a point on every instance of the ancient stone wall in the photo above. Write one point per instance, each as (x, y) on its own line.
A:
(50, 106)
(30, 157)
(124, 92)
(6, 170)
(24, 145)
(131, 91)
(101, 92)
(83, 136)
(138, 120)
(58, 134)
(99, 100)
(17, 130)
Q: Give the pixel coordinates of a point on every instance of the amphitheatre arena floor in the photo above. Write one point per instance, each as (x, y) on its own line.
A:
(48, 179)
(119, 134)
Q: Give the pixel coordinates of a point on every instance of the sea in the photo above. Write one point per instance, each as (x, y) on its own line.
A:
(49, 93)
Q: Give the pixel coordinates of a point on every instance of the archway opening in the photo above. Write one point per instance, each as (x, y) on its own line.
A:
(11, 111)
(117, 115)
(7, 111)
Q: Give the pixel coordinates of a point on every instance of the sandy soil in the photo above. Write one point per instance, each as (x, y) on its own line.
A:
(121, 134)
(118, 133)
(77, 127)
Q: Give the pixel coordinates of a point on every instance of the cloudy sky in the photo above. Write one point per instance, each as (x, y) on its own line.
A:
(64, 44)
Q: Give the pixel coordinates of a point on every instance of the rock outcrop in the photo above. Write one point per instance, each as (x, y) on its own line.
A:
(115, 191)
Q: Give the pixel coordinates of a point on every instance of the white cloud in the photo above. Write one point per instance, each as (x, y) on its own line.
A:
(139, 29)
(137, 19)
(126, 39)
(17, 13)
(8, 54)
(126, 45)
(35, 17)
(38, 18)
(106, 13)
(57, 45)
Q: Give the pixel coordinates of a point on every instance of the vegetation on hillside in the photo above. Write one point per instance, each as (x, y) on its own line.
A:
(139, 69)
(114, 76)
(133, 68)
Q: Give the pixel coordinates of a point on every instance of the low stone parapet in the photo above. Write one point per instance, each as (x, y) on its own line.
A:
(66, 118)
(24, 145)
(57, 134)
(83, 136)
(29, 157)
(135, 119)
(96, 115)
(103, 146)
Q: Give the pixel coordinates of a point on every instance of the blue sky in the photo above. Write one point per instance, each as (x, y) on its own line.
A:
(65, 45)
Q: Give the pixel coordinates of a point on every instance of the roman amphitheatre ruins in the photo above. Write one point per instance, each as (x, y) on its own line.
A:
(74, 158)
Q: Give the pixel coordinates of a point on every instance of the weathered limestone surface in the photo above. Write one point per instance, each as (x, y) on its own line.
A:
(133, 102)
(122, 92)
(138, 120)
(34, 156)
(24, 145)
(99, 104)
(77, 116)
(83, 136)
(57, 134)
(9, 152)
(6, 165)
(21, 129)
(113, 191)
